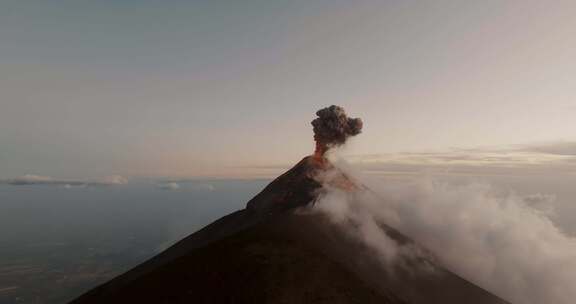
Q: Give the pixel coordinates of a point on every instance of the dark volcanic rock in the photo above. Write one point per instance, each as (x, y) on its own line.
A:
(295, 188)
(268, 254)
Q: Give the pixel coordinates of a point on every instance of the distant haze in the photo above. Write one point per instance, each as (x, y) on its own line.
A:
(210, 88)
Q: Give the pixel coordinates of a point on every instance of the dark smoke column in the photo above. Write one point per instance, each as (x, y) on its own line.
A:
(332, 128)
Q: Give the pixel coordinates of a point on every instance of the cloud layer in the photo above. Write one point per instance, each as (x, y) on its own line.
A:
(30, 179)
(168, 186)
(555, 158)
(504, 243)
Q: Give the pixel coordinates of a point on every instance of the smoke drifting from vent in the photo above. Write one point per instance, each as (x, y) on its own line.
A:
(501, 242)
(332, 128)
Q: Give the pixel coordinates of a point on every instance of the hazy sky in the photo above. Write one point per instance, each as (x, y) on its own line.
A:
(187, 88)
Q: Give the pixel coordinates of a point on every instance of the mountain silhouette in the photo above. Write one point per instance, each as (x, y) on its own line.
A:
(271, 252)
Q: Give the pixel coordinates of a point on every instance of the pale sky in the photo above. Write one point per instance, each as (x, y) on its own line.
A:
(192, 88)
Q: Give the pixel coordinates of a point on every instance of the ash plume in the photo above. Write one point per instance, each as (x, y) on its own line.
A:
(332, 128)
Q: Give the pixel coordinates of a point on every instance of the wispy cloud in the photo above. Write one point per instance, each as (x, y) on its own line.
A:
(565, 148)
(168, 186)
(31, 179)
(558, 158)
(190, 184)
(503, 242)
(205, 187)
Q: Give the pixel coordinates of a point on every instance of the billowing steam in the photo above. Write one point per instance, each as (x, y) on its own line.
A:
(499, 242)
(332, 128)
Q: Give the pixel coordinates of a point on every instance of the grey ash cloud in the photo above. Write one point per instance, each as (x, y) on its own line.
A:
(333, 127)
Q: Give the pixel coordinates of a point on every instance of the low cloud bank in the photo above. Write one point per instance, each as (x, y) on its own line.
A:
(168, 186)
(549, 158)
(506, 244)
(31, 179)
(567, 148)
(177, 184)
(205, 187)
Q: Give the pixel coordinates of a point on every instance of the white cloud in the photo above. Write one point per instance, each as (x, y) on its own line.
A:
(169, 186)
(557, 148)
(499, 242)
(558, 158)
(31, 179)
(115, 180)
(206, 187)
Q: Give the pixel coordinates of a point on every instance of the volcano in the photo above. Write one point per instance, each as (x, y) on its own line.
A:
(272, 252)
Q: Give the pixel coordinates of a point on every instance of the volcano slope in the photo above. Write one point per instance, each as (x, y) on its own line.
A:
(270, 252)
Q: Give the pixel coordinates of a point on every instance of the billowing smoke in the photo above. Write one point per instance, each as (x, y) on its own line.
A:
(501, 242)
(332, 128)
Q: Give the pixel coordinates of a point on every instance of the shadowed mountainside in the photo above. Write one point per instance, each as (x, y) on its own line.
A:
(267, 253)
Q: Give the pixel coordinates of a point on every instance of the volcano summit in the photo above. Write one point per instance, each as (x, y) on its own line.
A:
(276, 251)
